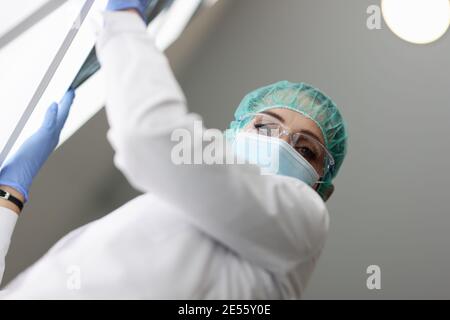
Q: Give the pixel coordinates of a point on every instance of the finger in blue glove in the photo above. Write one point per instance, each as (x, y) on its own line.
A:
(22, 167)
(139, 5)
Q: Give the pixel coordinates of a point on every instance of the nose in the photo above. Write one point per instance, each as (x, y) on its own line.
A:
(286, 138)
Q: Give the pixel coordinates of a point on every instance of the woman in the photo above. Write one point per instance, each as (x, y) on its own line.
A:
(198, 231)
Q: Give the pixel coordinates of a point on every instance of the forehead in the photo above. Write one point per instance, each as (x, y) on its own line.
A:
(297, 122)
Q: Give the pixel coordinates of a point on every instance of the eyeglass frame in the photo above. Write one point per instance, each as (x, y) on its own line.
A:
(286, 132)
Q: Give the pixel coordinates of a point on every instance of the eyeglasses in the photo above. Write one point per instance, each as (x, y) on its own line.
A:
(303, 142)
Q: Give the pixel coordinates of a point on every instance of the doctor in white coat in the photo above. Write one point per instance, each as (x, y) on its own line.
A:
(198, 231)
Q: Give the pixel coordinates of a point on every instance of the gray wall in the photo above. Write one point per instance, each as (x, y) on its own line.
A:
(390, 207)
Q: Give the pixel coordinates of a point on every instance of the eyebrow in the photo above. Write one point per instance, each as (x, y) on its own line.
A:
(312, 134)
(276, 116)
(280, 118)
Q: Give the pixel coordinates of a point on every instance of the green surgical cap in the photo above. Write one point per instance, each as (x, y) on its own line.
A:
(311, 103)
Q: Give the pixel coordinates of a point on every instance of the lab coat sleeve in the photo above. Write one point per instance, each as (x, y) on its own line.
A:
(8, 219)
(275, 222)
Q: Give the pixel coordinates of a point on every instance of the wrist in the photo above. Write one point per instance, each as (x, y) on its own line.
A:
(8, 204)
(133, 6)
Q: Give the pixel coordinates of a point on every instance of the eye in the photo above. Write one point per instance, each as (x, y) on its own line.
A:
(267, 129)
(307, 153)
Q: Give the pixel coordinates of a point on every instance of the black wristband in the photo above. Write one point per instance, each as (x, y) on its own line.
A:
(7, 196)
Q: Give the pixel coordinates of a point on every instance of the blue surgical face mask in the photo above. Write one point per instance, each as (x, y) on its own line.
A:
(273, 156)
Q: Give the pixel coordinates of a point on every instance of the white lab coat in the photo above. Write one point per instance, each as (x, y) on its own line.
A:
(199, 231)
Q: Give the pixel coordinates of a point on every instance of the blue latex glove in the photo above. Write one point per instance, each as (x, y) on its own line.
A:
(20, 169)
(118, 5)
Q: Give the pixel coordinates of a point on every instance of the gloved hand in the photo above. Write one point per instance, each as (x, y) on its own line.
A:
(20, 170)
(139, 5)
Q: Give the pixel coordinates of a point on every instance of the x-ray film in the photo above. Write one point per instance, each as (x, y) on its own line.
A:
(50, 47)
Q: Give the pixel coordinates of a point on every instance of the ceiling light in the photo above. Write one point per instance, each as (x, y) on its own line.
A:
(417, 21)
